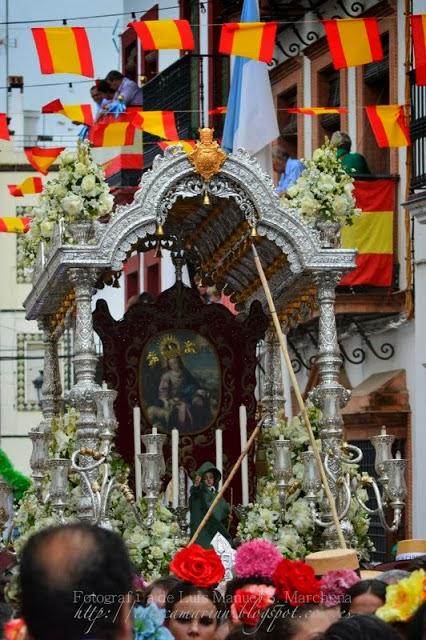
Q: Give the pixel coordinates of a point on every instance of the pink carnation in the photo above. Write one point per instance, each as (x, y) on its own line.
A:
(334, 585)
(256, 558)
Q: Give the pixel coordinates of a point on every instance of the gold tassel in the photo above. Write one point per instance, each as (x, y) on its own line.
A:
(159, 231)
(253, 232)
(206, 199)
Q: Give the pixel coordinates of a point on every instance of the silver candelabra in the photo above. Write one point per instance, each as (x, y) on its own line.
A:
(93, 465)
(389, 490)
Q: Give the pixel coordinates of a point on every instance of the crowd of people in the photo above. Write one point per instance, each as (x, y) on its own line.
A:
(290, 169)
(114, 93)
(77, 581)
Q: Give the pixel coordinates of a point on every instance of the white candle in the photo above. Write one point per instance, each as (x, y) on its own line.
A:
(137, 446)
(398, 455)
(244, 463)
(104, 386)
(219, 453)
(154, 431)
(175, 467)
(383, 432)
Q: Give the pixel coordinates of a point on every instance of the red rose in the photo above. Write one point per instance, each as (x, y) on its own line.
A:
(202, 567)
(296, 583)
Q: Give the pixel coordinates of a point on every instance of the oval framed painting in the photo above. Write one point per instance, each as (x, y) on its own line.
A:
(180, 382)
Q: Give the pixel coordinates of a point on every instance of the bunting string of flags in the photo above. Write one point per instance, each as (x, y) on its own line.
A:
(80, 113)
(14, 225)
(112, 132)
(164, 34)
(353, 42)
(63, 50)
(26, 187)
(41, 158)
(418, 28)
(255, 40)
(158, 123)
(4, 131)
(187, 145)
(389, 125)
(317, 111)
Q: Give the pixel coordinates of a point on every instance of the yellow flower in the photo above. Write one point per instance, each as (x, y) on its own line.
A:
(403, 598)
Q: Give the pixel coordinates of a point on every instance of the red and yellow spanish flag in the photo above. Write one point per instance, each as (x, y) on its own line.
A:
(14, 225)
(389, 125)
(187, 145)
(371, 234)
(353, 42)
(112, 132)
(41, 159)
(158, 123)
(317, 111)
(63, 50)
(418, 28)
(164, 34)
(254, 40)
(80, 113)
(26, 187)
(4, 131)
(218, 111)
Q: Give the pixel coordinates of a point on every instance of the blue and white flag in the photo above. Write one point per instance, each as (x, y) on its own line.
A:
(251, 119)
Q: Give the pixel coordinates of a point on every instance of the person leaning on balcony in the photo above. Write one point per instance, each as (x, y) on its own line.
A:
(125, 89)
(287, 168)
(353, 163)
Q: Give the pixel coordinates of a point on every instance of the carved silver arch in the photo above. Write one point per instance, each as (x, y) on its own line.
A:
(242, 180)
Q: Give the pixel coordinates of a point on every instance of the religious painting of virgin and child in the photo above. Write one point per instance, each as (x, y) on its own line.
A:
(179, 382)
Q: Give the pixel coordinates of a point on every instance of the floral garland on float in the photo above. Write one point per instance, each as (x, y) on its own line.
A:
(77, 194)
(324, 195)
(295, 533)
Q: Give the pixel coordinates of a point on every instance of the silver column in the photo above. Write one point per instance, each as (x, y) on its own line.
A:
(50, 403)
(329, 395)
(82, 395)
(273, 399)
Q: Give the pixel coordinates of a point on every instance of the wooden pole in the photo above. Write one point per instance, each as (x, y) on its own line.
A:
(226, 484)
(283, 345)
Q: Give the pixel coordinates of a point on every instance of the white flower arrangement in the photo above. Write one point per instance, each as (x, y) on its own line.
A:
(150, 550)
(324, 190)
(297, 535)
(77, 193)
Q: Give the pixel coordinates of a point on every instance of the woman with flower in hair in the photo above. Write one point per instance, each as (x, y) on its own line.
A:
(252, 591)
(193, 606)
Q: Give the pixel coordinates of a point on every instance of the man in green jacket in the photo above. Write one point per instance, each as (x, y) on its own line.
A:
(203, 492)
(353, 163)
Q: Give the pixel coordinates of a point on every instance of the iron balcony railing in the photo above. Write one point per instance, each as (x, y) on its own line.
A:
(174, 89)
(418, 134)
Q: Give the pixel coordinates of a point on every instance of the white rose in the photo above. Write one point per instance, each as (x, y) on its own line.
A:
(106, 202)
(67, 157)
(59, 191)
(340, 205)
(326, 182)
(72, 204)
(308, 205)
(317, 155)
(88, 183)
(80, 169)
(348, 188)
(46, 228)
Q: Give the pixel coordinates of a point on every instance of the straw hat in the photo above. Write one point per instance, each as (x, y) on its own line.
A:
(409, 549)
(332, 560)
